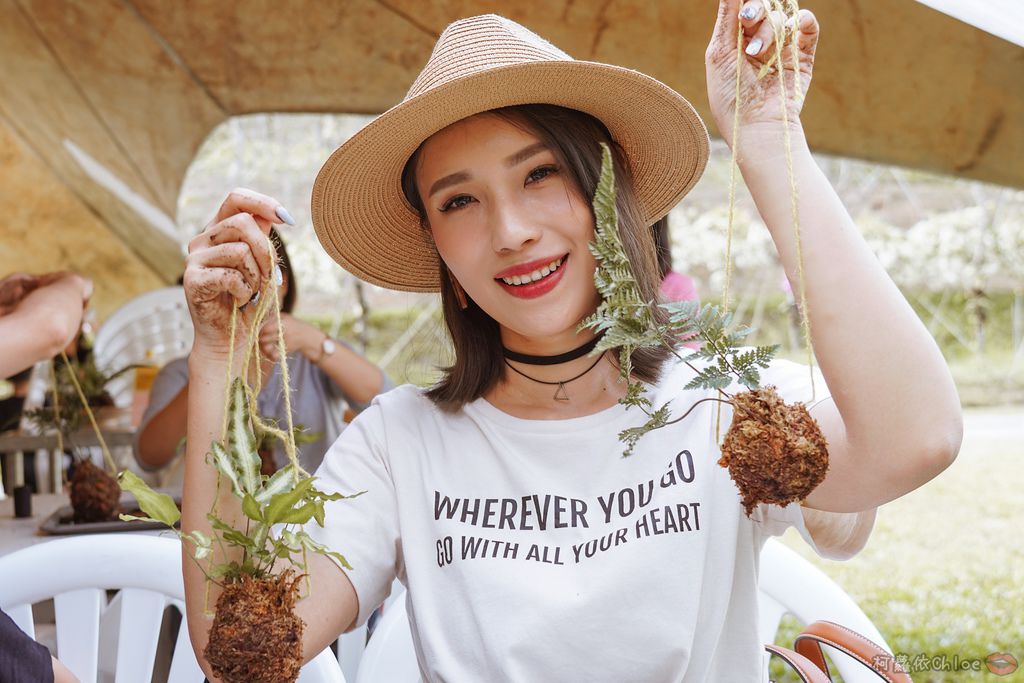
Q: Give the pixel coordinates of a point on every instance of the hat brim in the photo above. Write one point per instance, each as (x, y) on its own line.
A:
(365, 223)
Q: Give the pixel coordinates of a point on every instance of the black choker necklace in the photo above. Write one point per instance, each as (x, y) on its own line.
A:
(551, 360)
(560, 393)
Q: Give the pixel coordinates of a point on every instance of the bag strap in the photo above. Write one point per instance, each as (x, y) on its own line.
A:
(805, 668)
(852, 644)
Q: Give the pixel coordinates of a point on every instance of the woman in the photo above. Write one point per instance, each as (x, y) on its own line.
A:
(325, 375)
(530, 548)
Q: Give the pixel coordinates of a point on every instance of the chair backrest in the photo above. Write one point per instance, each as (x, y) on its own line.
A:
(788, 584)
(77, 572)
(151, 329)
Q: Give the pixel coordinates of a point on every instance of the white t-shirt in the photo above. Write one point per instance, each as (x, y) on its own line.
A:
(533, 551)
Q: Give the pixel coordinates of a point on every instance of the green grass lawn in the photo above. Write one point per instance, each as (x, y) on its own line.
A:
(943, 573)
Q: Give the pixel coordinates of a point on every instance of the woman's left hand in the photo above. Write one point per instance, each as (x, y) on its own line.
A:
(760, 100)
(299, 337)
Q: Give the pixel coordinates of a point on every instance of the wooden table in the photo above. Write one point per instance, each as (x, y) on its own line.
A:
(13, 443)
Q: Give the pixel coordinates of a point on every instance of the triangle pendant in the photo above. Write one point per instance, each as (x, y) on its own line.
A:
(560, 394)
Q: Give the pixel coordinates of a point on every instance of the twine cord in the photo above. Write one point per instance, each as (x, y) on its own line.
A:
(779, 31)
(107, 458)
(805, 320)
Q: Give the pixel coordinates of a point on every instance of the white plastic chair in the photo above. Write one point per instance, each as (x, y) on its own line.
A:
(153, 328)
(788, 584)
(77, 572)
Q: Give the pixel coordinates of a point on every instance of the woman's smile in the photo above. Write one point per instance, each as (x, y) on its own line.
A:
(529, 284)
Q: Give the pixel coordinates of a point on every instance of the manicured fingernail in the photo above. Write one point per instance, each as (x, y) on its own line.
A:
(278, 276)
(749, 12)
(754, 46)
(255, 298)
(283, 214)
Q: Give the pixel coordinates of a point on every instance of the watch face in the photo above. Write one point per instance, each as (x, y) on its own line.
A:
(328, 347)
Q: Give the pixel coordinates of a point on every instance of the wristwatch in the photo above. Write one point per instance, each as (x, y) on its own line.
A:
(327, 347)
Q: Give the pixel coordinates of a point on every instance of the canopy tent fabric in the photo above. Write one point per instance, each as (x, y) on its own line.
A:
(105, 102)
(1001, 18)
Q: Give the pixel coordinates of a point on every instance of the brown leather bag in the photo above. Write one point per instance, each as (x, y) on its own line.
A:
(809, 661)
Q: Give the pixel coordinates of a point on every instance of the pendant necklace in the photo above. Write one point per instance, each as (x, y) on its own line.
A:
(560, 392)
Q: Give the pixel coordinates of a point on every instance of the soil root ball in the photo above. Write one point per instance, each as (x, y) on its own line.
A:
(95, 495)
(775, 452)
(256, 636)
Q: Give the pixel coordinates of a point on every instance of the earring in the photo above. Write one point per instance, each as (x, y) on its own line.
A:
(460, 293)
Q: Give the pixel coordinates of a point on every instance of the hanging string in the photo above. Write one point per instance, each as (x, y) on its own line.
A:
(805, 319)
(732, 199)
(56, 411)
(732, 170)
(232, 332)
(252, 370)
(289, 441)
(779, 31)
(88, 411)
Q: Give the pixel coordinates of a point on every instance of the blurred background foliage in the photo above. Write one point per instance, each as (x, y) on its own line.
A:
(954, 247)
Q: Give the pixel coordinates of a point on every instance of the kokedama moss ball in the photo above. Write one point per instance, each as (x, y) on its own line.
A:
(256, 637)
(95, 495)
(775, 452)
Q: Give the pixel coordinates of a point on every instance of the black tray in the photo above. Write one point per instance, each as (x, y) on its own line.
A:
(60, 522)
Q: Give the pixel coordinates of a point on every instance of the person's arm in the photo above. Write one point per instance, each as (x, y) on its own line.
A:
(358, 379)
(894, 421)
(43, 323)
(160, 434)
(61, 674)
(226, 264)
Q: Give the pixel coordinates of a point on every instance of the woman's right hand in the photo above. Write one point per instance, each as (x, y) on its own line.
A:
(227, 264)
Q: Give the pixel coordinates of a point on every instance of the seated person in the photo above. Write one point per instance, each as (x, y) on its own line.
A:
(324, 374)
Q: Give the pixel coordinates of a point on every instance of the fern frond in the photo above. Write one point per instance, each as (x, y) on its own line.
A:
(626, 321)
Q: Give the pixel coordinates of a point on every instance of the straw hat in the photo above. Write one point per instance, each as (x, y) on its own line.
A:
(359, 211)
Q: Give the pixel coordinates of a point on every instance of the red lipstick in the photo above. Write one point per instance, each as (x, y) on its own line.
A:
(526, 268)
(536, 288)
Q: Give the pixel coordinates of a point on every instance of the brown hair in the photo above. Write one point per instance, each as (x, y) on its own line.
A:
(663, 246)
(290, 296)
(574, 137)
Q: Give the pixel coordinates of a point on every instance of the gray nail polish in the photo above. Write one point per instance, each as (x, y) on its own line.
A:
(283, 214)
(255, 298)
(278, 276)
(749, 12)
(754, 47)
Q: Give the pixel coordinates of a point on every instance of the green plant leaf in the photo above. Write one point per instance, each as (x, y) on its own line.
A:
(280, 482)
(231, 535)
(299, 515)
(203, 543)
(159, 506)
(136, 518)
(222, 461)
(241, 440)
(251, 508)
(281, 503)
(315, 547)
